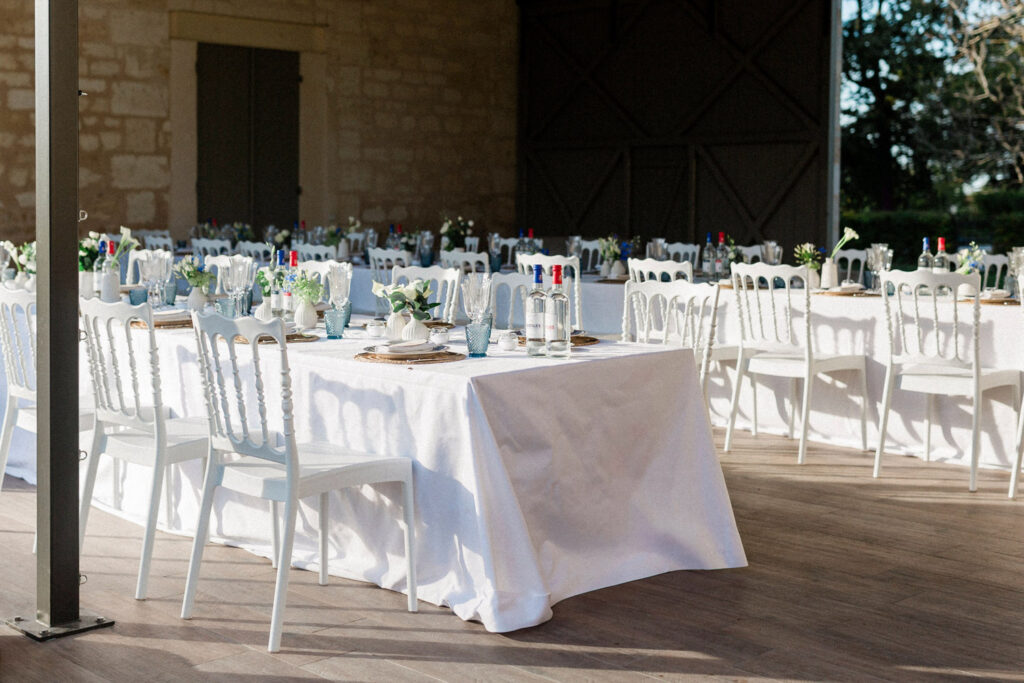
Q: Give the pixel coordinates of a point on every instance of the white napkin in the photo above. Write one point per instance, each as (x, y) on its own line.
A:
(850, 287)
(995, 294)
(405, 347)
(171, 315)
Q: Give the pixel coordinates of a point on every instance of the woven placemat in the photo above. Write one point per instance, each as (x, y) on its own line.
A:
(826, 292)
(165, 324)
(443, 357)
(293, 338)
(576, 339)
(993, 302)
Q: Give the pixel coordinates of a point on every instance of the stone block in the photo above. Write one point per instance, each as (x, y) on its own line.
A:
(21, 99)
(141, 208)
(110, 140)
(104, 67)
(139, 99)
(139, 27)
(139, 135)
(139, 172)
(88, 142)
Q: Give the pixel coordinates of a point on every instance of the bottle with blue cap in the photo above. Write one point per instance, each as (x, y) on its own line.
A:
(535, 304)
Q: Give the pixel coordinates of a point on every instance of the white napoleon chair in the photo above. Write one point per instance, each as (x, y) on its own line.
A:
(517, 286)
(570, 278)
(321, 271)
(681, 251)
(210, 247)
(641, 270)
(507, 249)
(472, 243)
(854, 267)
(356, 242)
(132, 274)
(936, 354)
(316, 252)
(444, 286)
(222, 264)
(751, 254)
(132, 424)
(996, 266)
(468, 261)
(590, 255)
(774, 343)
(248, 457)
(158, 242)
(651, 309)
(260, 252)
(381, 262)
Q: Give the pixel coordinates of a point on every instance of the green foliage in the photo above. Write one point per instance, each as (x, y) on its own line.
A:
(1000, 202)
(307, 289)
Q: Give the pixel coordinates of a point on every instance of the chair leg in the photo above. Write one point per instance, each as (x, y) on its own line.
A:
(409, 513)
(804, 415)
(883, 422)
(975, 443)
(753, 402)
(91, 465)
(275, 533)
(741, 368)
(323, 538)
(168, 496)
(929, 411)
(284, 564)
(199, 542)
(792, 406)
(10, 420)
(155, 489)
(863, 409)
(1015, 473)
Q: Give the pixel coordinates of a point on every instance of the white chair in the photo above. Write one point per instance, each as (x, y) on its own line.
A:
(751, 254)
(316, 252)
(260, 252)
(518, 286)
(256, 461)
(444, 286)
(507, 249)
(570, 269)
(658, 307)
(641, 270)
(472, 243)
(131, 422)
(383, 260)
(936, 354)
(210, 247)
(996, 266)
(159, 242)
(222, 264)
(681, 251)
(590, 256)
(772, 343)
(356, 242)
(468, 261)
(854, 268)
(320, 271)
(132, 275)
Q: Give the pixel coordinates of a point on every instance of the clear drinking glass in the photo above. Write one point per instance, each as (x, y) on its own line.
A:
(226, 307)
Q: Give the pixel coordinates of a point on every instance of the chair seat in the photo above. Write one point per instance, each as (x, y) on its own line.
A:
(725, 353)
(187, 438)
(27, 419)
(938, 379)
(788, 364)
(322, 467)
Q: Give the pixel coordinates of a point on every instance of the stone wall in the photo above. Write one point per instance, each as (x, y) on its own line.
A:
(421, 109)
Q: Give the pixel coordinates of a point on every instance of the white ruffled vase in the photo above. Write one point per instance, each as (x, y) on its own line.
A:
(415, 330)
(618, 269)
(86, 282)
(606, 267)
(305, 315)
(264, 311)
(394, 327)
(829, 274)
(813, 279)
(196, 299)
(110, 287)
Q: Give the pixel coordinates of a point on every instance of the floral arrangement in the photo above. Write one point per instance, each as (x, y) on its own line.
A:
(266, 287)
(191, 271)
(609, 247)
(972, 259)
(307, 289)
(633, 248)
(282, 237)
(88, 251)
(455, 230)
(848, 234)
(25, 258)
(126, 244)
(410, 240)
(732, 251)
(412, 297)
(9, 250)
(207, 230)
(354, 224)
(243, 232)
(809, 255)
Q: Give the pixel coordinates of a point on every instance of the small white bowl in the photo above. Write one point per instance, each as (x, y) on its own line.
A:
(375, 329)
(439, 336)
(508, 341)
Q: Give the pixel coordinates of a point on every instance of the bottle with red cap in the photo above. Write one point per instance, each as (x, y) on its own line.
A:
(557, 342)
(531, 242)
(940, 262)
(721, 257)
(288, 302)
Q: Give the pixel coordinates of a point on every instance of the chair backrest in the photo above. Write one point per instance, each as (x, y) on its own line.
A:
(751, 254)
(681, 251)
(444, 286)
(317, 252)
(590, 255)
(468, 261)
(261, 252)
(653, 269)
(321, 270)
(117, 358)
(383, 260)
(222, 263)
(507, 248)
(210, 247)
(356, 241)
(235, 390)
(691, 309)
(472, 243)
(518, 286)
(924, 322)
(767, 303)
(135, 258)
(996, 266)
(158, 242)
(854, 268)
(570, 270)
(18, 340)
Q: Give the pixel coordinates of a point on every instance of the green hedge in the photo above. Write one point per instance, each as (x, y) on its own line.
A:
(1000, 202)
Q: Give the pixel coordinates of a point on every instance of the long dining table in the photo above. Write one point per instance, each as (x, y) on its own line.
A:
(535, 479)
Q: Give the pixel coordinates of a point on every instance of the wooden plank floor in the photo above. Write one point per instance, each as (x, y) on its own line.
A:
(850, 579)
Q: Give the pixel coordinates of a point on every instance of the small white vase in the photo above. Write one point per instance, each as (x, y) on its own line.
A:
(965, 291)
(414, 330)
(196, 299)
(829, 274)
(264, 311)
(30, 283)
(606, 268)
(395, 325)
(20, 279)
(110, 287)
(813, 279)
(86, 283)
(305, 315)
(618, 269)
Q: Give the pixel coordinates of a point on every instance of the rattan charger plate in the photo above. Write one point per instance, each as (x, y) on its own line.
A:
(993, 302)
(413, 359)
(291, 338)
(165, 324)
(576, 339)
(858, 293)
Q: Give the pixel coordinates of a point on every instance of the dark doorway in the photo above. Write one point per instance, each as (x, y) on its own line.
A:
(248, 135)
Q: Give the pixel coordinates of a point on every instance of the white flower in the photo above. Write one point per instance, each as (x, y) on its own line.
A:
(126, 233)
(379, 289)
(850, 234)
(410, 291)
(94, 235)
(469, 223)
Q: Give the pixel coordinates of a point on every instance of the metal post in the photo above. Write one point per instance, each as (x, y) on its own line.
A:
(834, 131)
(57, 570)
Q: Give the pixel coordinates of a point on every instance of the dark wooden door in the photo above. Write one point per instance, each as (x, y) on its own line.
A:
(674, 118)
(248, 135)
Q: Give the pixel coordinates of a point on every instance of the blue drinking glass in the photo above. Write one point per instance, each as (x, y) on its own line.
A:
(478, 335)
(335, 321)
(138, 295)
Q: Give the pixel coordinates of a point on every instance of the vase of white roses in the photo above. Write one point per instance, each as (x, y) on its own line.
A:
(191, 271)
(454, 232)
(807, 254)
(412, 298)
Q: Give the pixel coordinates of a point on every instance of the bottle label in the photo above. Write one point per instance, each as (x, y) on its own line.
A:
(535, 324)
(275, 301)
(550, 323)
(287, 301)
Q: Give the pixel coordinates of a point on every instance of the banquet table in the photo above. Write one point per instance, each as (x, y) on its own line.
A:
(535, 479)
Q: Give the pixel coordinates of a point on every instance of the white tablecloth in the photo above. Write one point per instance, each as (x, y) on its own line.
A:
(535, 479)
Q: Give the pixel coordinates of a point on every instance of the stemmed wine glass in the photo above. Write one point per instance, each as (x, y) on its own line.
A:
(476, 295)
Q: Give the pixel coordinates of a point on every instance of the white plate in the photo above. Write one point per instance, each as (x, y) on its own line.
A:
(390, 350)
(995, 294)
